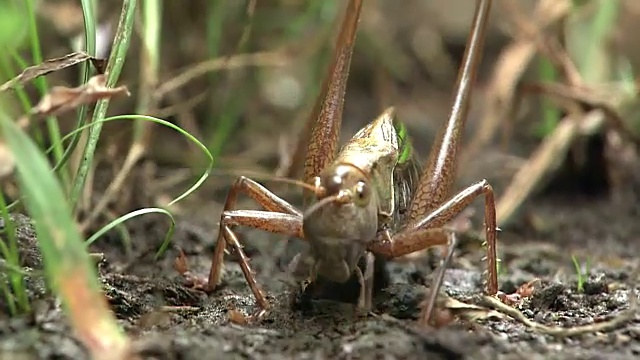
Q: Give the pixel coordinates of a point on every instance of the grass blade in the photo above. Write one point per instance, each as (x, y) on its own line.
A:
(131, 215)
(88, 14)
(187, 135)
(114, 67)
(16, 295)
(41, 84)
(68, 267)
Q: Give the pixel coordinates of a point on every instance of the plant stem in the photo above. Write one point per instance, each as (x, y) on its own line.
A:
(114, 67)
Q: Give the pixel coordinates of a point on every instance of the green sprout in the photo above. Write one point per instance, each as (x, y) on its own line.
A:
(582, 273)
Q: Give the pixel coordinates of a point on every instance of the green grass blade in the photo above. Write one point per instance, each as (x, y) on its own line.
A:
(150, 59)
(41, 84)
(576, 265)
(602, 24)
(550, 113)
(114, 67)
(12, 256)
(232, 105)
(8, 295)
(216, 11)
(88, 14)
(189, 137)
(119, 221)
(8, 72)
(22, 64)
(70, 272)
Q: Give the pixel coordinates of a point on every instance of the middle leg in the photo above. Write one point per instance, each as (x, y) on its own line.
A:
(428, 231)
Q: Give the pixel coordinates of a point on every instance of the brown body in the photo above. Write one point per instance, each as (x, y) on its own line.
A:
(367, 198)
(364, 171)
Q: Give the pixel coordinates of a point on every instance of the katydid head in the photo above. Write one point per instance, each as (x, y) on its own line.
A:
(341, 221)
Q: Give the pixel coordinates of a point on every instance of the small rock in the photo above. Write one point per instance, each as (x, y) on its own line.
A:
(544, 298)
(596, 284)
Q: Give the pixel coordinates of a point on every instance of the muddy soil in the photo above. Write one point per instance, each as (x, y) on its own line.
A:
(171, 321)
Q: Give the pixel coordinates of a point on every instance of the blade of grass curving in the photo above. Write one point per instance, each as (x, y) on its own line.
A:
(70, 272)
(41, 84)
(126, 239)
(189, 137)
(114, 67)
(119, 221)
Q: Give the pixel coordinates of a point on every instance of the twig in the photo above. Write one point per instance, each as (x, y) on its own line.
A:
(544, 160)
(510, 67)
(231, 62)
(169, 308)
(180, 106)
(561, 332)
(608, 100)
(553, 149)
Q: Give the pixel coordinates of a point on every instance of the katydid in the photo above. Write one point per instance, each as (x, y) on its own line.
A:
(372, 197)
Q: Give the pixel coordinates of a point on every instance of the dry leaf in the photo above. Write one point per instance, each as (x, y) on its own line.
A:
(526, 290)
(237, 317)
(180, 263)
(469, 311)
(54, 65)
(61, 98)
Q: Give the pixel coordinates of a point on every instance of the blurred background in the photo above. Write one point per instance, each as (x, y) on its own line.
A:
(242, 76)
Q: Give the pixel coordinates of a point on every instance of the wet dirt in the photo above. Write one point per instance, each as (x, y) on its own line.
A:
(168, 320)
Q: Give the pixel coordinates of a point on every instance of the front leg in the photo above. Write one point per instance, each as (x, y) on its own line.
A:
(280, 217)
(280, 223)
(366, 286)
(427, 231)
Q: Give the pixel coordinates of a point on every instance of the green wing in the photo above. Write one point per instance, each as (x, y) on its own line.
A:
(404, 143)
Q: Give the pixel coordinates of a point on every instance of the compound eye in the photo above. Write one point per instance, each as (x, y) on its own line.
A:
(361, 194)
